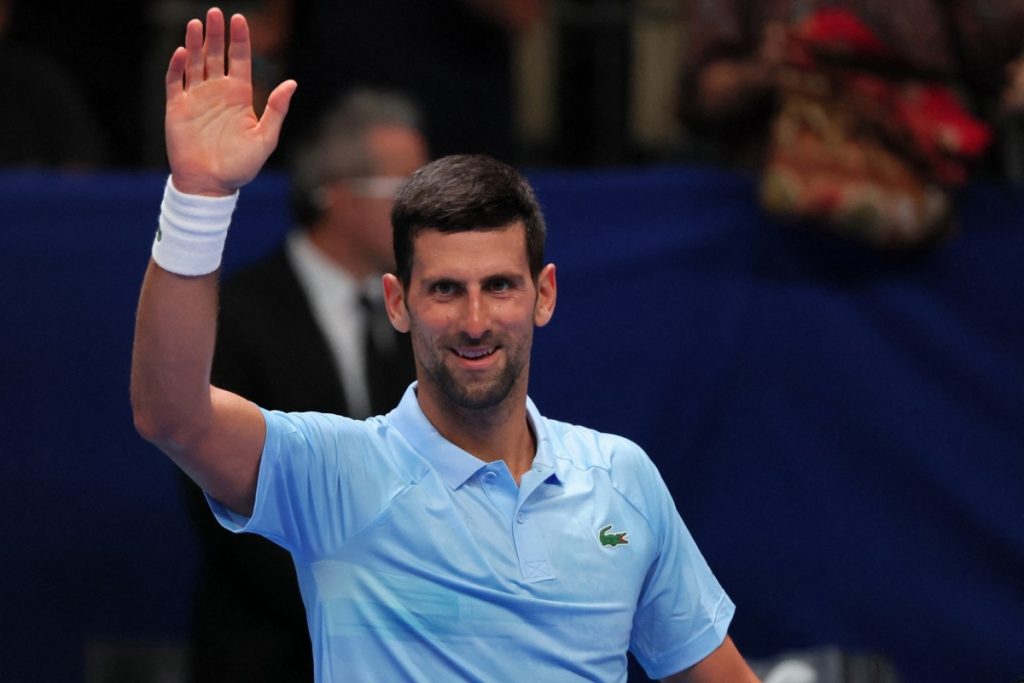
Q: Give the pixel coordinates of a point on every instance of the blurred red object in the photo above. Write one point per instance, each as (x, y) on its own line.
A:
(927, 117)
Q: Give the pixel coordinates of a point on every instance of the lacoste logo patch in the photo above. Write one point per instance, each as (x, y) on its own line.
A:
(610, 539)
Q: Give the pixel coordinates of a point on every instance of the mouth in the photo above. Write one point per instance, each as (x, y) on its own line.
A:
(475, 354)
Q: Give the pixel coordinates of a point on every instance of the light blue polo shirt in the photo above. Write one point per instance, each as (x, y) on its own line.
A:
(420, 562)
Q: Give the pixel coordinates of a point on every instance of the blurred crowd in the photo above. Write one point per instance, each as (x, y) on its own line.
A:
(738, 53)
(858, 117)
(86, 80)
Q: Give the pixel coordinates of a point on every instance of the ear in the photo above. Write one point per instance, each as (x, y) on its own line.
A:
(547, 292)
(394, 301)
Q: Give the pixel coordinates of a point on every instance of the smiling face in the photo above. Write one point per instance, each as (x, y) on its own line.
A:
(470, 308)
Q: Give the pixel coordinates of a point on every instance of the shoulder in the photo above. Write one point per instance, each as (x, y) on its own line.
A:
(325, 431)
(623, 465)
(363, 446)
(589, 448)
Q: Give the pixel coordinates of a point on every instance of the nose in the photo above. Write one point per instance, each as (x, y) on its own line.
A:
(475, 318)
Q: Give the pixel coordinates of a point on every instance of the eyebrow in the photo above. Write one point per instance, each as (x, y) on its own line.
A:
(513, 277)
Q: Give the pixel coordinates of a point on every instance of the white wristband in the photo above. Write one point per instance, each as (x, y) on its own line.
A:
(192, 231)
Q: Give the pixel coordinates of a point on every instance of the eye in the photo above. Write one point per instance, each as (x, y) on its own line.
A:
(499, 285)
(444, 288)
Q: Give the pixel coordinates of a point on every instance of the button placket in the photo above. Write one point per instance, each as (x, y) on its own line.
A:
(533, 557)
(530, 547)
(500, 490)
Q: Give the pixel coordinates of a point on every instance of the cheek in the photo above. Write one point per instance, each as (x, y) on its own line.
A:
(426, 328)
(422, 349)
(517, 323)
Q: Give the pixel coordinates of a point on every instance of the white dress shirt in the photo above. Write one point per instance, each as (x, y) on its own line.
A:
(334, 297)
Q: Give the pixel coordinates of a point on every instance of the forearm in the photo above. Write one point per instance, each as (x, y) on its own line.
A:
(214, 436)
(174, 336)
(176, 322)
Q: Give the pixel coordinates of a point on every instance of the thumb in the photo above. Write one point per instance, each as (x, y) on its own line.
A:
(277, 108)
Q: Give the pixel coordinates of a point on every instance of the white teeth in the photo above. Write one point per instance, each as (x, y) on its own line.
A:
(480, 353)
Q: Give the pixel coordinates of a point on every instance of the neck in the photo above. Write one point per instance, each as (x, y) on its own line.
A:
(500, 432)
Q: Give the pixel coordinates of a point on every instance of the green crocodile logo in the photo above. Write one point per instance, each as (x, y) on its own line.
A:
(612, 539)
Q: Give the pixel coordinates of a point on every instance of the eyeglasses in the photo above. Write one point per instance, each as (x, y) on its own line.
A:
(376, 187)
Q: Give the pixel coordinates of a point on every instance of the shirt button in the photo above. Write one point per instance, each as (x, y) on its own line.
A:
(520, 518)
(490, 477)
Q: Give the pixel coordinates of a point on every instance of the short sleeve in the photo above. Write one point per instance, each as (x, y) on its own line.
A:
(321, 479)
(683, 613)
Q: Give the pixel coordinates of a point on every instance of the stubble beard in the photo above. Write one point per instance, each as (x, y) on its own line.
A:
(485, 393)
(479, 396)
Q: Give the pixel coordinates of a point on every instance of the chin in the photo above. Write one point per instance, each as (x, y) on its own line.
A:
(485, 397)
(477, 395)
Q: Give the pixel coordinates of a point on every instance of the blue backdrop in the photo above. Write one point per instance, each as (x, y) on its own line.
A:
(843, 432)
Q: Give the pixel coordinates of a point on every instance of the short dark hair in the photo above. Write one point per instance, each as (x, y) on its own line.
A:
(460, 193)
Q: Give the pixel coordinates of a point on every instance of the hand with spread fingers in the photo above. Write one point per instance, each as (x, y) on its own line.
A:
(215, 141)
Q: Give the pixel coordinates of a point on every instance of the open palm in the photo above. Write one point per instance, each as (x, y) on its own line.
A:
(215, 142)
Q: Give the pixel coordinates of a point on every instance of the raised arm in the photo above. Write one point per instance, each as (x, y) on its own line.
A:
(215, 144)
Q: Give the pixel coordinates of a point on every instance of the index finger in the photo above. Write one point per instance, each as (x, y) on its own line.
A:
(240, 50)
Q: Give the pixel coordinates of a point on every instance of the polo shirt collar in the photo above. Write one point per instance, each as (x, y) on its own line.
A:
(544, 462)
(455, 465)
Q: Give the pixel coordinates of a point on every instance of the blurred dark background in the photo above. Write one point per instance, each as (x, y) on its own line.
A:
(552, 82)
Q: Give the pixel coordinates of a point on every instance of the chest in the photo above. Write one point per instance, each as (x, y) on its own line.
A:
(490, 553)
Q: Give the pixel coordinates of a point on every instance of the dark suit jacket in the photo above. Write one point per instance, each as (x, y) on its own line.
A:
(249, 619)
